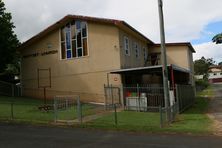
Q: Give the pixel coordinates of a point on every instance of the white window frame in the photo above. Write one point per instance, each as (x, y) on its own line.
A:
(126, 47)
(137, 52)
(145, 55)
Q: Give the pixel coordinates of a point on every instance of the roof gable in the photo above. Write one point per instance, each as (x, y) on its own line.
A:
(68, 18)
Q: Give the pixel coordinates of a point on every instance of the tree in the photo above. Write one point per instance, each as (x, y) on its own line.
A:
(220, 63)
(8, 43)
(202, 65)
(217, 38)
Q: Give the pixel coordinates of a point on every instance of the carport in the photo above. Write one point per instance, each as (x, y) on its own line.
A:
(142, 86)
(153, 75)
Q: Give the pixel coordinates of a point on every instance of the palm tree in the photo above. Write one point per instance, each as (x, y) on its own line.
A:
(217, 38)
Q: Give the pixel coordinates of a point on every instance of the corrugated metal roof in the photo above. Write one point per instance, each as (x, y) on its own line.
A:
(147, 69)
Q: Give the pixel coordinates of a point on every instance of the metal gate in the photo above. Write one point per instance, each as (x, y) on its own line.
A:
(112, 96)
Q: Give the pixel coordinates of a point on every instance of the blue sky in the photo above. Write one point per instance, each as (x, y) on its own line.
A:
(208, 33)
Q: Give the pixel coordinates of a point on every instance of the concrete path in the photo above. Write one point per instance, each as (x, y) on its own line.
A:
(215, 108)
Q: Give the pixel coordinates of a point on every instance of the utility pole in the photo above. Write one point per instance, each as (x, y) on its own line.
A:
(164, 57)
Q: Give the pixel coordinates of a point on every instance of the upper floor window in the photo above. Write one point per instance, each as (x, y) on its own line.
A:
(136, 47)
(145, 53)
(74, 40)
(126, 45)
(154, 59)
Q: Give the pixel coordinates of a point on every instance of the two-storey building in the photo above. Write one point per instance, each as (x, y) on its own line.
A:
(78, 55)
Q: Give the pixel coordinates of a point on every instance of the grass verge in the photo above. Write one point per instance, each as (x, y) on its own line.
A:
(208, 92)
(194, 121)
(27, 109)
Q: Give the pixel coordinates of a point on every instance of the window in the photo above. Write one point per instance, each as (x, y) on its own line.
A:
(221, 73)
(126, 45)
(74, 40)
(145, 53)
(154, 59)
(136, 47)
(215, 74)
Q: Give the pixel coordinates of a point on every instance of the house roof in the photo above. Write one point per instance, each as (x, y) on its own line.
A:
(179, 44)
(66, 19)
(218, 67)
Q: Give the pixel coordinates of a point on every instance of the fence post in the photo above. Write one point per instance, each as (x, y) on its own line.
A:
(55, 110)
(111, 86)
(115, 114)
(161, 117)
(177, 97)
(79, 110)
(67, 103)
(12, 110)
(138, 95)
(105, 89)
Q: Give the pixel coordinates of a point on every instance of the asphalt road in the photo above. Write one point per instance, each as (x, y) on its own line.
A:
(25, 136)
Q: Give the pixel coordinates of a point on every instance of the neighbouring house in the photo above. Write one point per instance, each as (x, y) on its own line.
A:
(215, 74)
(199, 77)
(79, 54)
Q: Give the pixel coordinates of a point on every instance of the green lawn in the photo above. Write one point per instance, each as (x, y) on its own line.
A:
(194, 120)
(127, 120)
(27, 109)
(208, 92)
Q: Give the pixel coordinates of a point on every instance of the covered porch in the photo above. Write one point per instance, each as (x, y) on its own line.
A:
(143, 86)
(153, 75)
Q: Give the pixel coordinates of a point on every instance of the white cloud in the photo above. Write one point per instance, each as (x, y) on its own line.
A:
(185, 20)
(209, 50)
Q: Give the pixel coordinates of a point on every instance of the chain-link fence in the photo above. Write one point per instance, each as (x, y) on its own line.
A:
(69, 110)
(24, 112)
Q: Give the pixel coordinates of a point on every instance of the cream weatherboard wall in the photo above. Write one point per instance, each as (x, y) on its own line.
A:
(179, 55)
(85, 75)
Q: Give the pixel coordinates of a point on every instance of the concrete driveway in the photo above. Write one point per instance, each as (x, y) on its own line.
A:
(215, 107)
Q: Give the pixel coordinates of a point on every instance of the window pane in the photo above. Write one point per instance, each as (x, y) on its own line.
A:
(68, 40)
(78, 25)
(79, 52)
(85, 50)
(79, 39)
(74, 48)
(62, 33)
(63, 50)
(84, 31)
(127, 52)
(69, 55)
(73, 30)
(126, 45)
